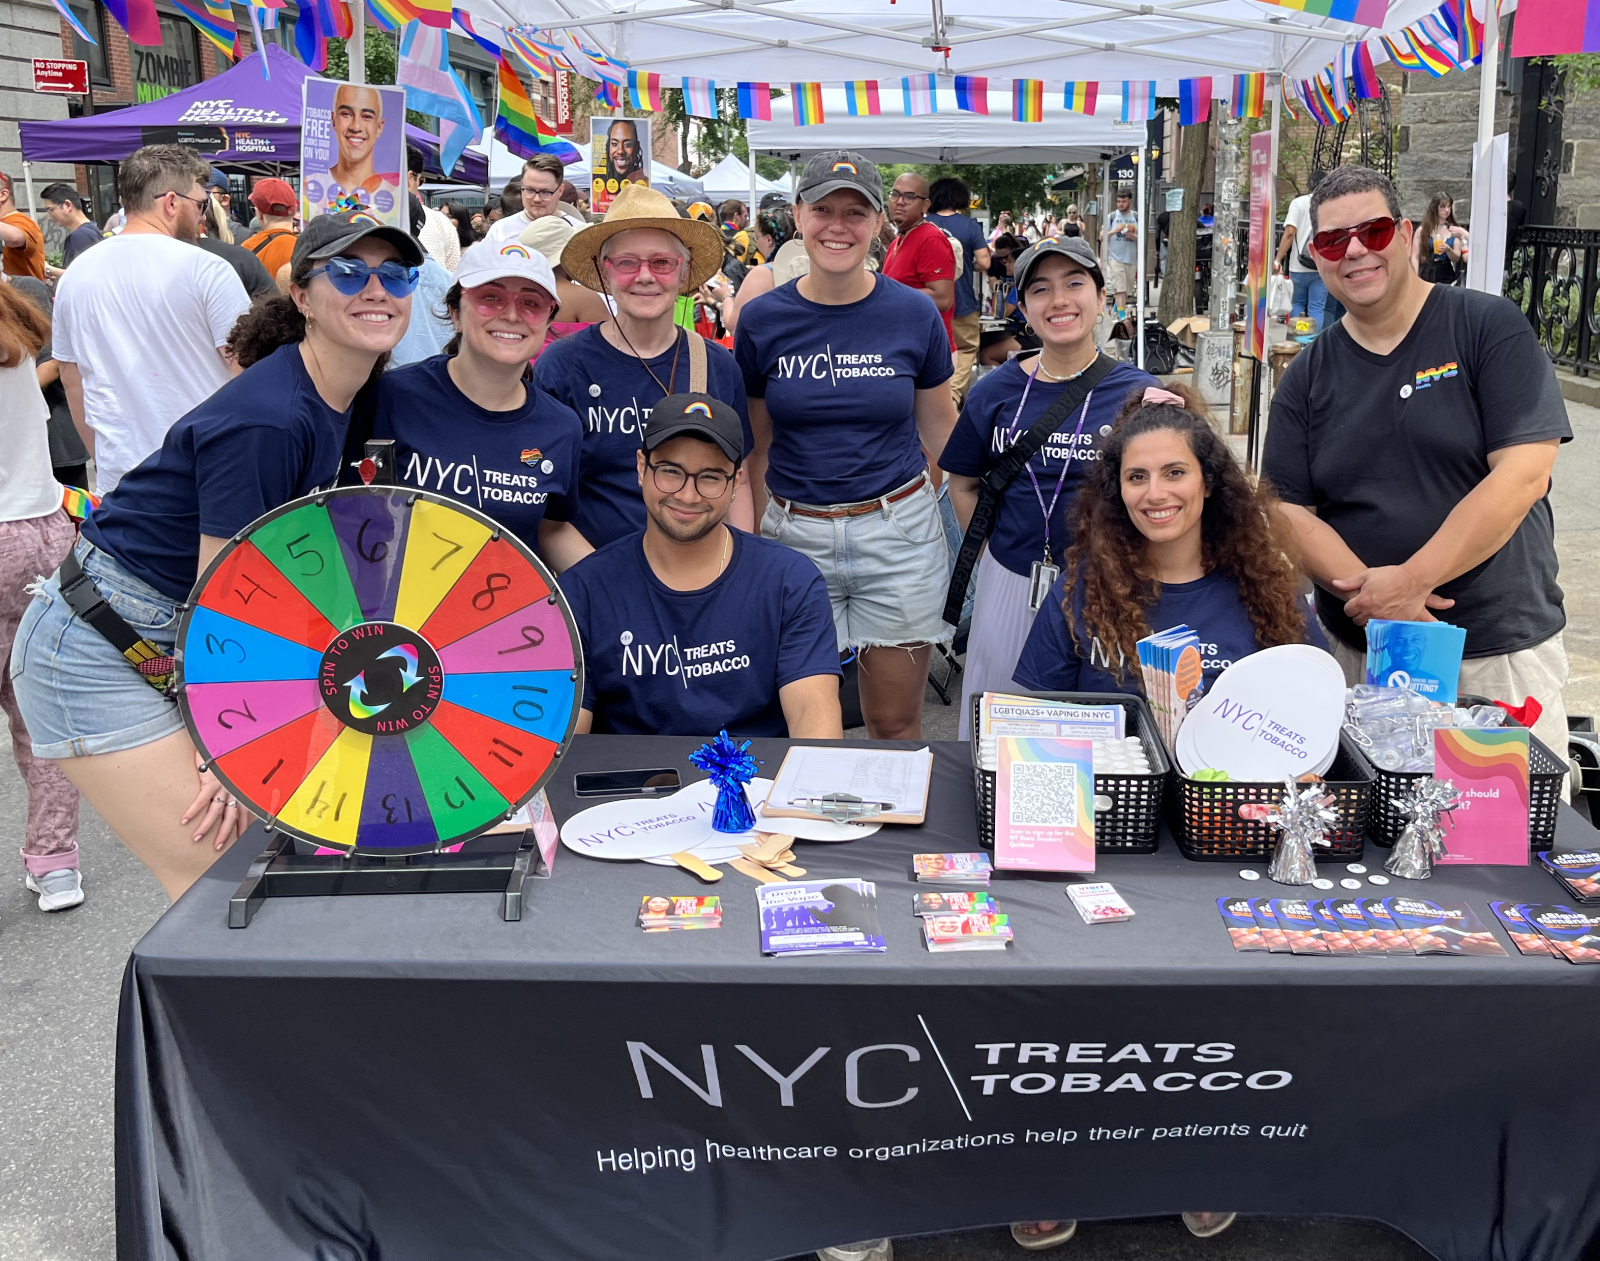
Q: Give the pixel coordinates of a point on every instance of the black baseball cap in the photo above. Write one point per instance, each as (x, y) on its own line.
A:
(771, 201)
(699, 415)
(1073, 247)
(328, 235)
(839, 168)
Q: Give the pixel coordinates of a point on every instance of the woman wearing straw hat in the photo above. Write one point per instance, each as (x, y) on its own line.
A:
(642, 257)
(848, 373)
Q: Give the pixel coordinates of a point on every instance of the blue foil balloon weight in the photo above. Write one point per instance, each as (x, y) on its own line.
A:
(730, 767)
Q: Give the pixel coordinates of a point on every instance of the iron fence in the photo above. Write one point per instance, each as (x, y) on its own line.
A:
(1552, 278)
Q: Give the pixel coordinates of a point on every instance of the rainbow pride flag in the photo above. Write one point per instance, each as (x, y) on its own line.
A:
(214, 21)
(1468, 31)
(1289, 96)
(1546, 28)
(516, 125)
(972, 94)
(1364, 73)
(532, 55)
(78, 504)
(1249, 95)
(389, 15)
(1194, 101)
(1080, 98)
(1427, 46)
(1138, 100)
(606, 94)
(433, 12)
(1027, 100)
(755, 101)
(861, 98)
(644, 90)
(1400, 52)
(807, 104)
(920, 93)
(1361, 12)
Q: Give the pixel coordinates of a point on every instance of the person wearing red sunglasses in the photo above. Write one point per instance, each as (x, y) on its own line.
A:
(470, 423)
(1412, 444)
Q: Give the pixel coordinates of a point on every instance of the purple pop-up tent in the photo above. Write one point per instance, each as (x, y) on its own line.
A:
(240, 117)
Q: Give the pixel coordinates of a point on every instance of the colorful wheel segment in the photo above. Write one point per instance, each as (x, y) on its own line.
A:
(379, 670)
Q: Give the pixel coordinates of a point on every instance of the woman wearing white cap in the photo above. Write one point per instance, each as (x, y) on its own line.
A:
(470, 424)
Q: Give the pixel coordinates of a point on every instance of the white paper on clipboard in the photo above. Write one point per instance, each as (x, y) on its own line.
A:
(899, 777)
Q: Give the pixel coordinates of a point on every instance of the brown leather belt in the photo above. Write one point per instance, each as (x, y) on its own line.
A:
(851, 510)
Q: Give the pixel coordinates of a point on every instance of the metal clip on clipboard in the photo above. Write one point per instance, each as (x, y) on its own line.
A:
(841, 807)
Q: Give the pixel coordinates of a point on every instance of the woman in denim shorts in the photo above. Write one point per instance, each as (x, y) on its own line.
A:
(275, 432)
(847, 373)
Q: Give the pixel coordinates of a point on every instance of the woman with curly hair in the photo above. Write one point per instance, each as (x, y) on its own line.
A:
(1167, 531)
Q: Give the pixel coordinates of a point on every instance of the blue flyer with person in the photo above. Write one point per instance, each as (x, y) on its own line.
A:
(1424, 656)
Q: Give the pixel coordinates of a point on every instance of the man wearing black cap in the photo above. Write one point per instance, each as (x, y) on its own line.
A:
(692, 626)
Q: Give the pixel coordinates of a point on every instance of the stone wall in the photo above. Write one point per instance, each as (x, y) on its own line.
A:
(1438, 125)
(1578, 198)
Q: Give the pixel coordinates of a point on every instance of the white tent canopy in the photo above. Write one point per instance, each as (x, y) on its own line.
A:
(663, 178)
(947, 136)
(730, 178)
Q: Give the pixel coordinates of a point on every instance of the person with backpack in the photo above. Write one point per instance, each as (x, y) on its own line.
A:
(949, 200)
(275, 202)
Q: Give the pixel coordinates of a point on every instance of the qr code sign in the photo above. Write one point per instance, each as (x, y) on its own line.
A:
(1044, 793)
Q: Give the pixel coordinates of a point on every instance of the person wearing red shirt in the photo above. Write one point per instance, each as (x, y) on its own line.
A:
(921, 256)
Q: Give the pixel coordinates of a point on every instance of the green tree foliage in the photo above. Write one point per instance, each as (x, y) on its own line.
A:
(1020, 189)
(382, 62)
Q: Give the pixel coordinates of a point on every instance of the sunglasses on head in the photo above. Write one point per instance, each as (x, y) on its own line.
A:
(1375, 234)
(350, 275)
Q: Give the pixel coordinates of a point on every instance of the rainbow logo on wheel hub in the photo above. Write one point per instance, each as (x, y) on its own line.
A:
(380, 678)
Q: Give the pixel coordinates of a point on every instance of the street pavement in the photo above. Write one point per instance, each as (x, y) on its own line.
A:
(59, 976)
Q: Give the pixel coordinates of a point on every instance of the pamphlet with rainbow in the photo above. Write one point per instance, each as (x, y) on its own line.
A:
(1173, 679)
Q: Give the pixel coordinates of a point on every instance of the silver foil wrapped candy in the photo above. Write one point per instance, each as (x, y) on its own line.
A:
(1303, 819)
(1422, 842)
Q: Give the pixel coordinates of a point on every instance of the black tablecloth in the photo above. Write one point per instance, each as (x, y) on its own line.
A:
(412, 1078)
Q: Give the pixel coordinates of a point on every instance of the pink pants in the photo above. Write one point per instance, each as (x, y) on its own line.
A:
(28, 550)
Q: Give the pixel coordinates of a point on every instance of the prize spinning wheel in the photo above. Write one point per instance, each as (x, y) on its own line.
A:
(378, 670)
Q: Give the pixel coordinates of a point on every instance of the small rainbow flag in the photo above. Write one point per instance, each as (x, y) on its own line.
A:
(1364, 73)
(1288, 95)
(1138, 100)
(972, 94)
(606, 94)
(516, 125)
(215, 21)
(534, 57)
(644, 90)
(1361, 12)
(1400, 52)
(1027, 100)
(1194, 101)
(138, 18)
(1467, 30)
(755, 101)
(1249, 95)
(861, 98)
(1080, 98)
(920, 94)
(1546, 28)
(78, 503)
(390, 15)
(1435, 60)
(699, 98)
(807, 104)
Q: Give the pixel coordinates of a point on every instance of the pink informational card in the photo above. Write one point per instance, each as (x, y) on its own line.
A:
(1044, 805)
(1490, 770)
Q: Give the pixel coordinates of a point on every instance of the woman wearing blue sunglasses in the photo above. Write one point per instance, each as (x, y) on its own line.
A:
(275, 432)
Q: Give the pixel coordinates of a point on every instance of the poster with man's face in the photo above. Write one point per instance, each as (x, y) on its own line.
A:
(353, 150)
(621, 155)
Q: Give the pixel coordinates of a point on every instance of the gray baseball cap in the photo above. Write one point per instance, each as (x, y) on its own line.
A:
(839, 168)
(1073, 247)
(328, 235)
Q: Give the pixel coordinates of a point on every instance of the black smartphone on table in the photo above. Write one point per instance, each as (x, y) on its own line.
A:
(658, 782)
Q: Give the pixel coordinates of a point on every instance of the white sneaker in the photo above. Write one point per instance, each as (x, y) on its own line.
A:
(58, 890)
(866, 1250)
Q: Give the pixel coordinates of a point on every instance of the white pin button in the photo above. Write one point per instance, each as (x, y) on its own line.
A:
(1377, 879)
(1357, 869)
(1405, 390)
(1348, 883)
(1321, 883)
(594, 391)
(1249, 873)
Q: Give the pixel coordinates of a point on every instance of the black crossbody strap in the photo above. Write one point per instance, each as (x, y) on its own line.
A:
(153, 663)
(992, 485)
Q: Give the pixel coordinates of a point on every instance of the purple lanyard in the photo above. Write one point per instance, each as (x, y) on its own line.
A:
(1011, 437)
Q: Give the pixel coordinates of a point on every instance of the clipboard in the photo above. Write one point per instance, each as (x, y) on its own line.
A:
(854, 784)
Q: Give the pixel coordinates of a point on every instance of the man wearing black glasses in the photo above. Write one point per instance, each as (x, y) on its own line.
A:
(1412, 443)
(693, 626)
(921, 256)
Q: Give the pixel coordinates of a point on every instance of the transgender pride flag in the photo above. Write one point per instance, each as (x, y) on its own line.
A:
(700, 97)
(1138, 100)
(921, 97)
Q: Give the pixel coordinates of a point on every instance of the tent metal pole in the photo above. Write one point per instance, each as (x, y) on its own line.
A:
(356, 45)
(1138, 327)
(27, 179)
(1488, 76)
(750, 211)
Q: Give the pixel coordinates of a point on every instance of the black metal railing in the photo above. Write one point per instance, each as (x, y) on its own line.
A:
(1552, 278)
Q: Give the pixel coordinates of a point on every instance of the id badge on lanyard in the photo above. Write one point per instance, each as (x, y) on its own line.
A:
(1045, 572)
(1044, 576)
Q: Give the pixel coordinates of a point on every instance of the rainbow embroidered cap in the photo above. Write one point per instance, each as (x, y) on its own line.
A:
(327, 236)
(699, 415)
(501, 260)
(839, 168)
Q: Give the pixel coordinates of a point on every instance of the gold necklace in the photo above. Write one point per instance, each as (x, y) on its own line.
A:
(727, 550)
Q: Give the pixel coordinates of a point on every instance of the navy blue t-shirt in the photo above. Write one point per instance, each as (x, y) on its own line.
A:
(691, 663)
(986, 429)
(518, 466)
(972, 240)
(840, 384)
(1052, 661)
(264, 438)
(612, 393)
(78, 240)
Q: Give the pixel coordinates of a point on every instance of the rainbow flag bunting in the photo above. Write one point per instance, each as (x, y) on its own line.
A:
(1194, 101)
(920, 93)
(1138, 100)
(1364, 73)
(214, 21)
(1435, 60)
(606, 95)
(1027, 100)
(138, 18)
(807, 104)
(755, 101)
(1466, 29)
(389, 15)
(531, 55)
(861, 98)
(487, 35)
(1361, 12)
(1249, 95)
(644, 91)
(516, 125)
(972, 94)
(1080, 98)
(1339, 72)
(1287, 94)
(700, 98)
(1400, 52)
(1547, 28)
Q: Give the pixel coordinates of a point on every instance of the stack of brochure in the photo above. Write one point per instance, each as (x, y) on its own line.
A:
(1352, 926)
(945, 933)
(1002, 714)
(820, 917)
(1098, 903)
(952, 868)
(659, 913)
(1577, 871)
(1173, 678)
(1568, 933)
(954, 902)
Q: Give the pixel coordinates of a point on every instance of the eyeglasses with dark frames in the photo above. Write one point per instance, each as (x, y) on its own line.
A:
(670, 479)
